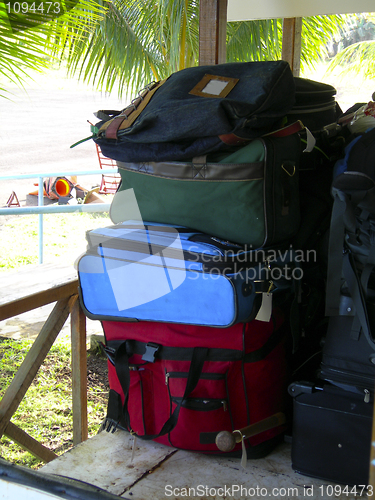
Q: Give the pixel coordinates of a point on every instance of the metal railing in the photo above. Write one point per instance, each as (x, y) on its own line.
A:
(54, 209)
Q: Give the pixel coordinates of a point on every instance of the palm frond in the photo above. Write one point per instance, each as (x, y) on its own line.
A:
(138, 41)
(253, 40)
(262, 40)
(26, 44)
(316, 33)
(356, 46)
(118, 47)
(357, 58)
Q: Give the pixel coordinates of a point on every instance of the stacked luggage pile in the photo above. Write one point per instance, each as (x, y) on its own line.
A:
(210, 283)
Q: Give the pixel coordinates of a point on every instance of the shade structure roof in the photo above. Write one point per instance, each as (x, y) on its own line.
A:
(241, 10)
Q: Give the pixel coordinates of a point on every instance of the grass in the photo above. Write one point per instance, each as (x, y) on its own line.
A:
(46, 411)
(63, 238)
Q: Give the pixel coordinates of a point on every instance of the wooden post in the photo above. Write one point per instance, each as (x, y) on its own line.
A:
(212, 32)
(291, 49)
(33, 360)
(79, 374)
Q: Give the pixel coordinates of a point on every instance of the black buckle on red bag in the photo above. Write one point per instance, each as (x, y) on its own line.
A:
(151, 350)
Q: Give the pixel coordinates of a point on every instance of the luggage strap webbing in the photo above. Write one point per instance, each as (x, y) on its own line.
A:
(197, 356)
(123, 373)
(128, 115)
(186, 353)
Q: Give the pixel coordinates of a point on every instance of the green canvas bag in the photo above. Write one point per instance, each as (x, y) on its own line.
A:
(248, 197)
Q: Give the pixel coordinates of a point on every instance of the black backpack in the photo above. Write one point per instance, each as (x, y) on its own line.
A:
(351, 276)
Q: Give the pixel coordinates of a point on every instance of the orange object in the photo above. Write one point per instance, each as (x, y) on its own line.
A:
(35, 193)
(62, 187)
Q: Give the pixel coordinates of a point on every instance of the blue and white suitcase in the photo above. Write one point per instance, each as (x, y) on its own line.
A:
(154, 272)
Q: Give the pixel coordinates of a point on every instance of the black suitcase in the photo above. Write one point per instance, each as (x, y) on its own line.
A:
(331, 434)
(315, 104)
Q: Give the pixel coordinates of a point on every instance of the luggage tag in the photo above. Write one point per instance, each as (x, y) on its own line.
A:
(265, 311)
(133, 449)
(310, 141)
(244, 454)
(294, 128)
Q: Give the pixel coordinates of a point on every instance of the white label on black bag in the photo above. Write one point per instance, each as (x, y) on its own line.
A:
(214, 86)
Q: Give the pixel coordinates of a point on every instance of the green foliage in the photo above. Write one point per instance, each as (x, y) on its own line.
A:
(25, 45)
(264, 39)
(138, 41)
(357, 58)
(356, 46)
(316, 32)
(254, 40)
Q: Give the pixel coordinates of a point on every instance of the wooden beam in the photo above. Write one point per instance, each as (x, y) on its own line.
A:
(79, 374)
(31, 302)
(212, 32)
(291, 48)
(29, 443)
(33, 360)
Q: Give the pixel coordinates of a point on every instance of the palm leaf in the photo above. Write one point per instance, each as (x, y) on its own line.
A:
(317, 31)
(26, 45)
(138, 41)
(96, 58)
(152, 40)
(357, 58)
(253, 40)
(262, 40)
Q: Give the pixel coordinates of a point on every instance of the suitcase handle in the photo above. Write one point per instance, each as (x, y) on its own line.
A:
(226, 441)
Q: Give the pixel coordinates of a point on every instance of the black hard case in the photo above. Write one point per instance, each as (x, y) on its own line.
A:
(331, 434)
(315, 104)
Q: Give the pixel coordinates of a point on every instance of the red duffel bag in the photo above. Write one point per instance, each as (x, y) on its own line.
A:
(182, 384)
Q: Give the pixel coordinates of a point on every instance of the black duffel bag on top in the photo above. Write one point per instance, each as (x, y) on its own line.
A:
(197, 111)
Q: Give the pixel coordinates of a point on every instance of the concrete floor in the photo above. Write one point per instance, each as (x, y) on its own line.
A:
(157, 472)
